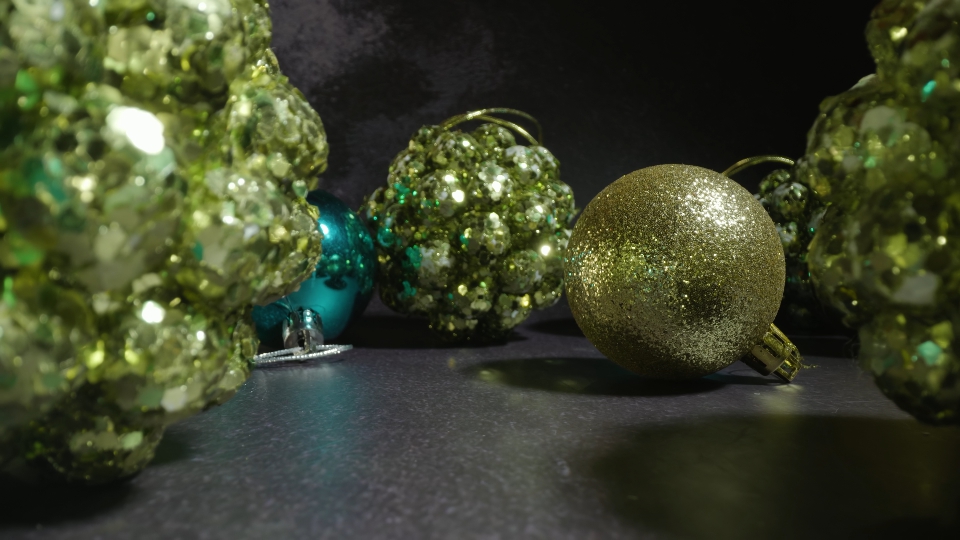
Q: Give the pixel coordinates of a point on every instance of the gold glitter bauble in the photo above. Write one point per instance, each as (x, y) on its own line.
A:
(674, 271)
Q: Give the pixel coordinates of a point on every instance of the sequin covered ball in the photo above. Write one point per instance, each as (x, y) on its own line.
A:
(153, 162)
(470, 231)
(796, 211)
(884, 157)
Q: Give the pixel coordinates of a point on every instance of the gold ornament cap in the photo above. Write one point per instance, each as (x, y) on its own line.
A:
(775, 354)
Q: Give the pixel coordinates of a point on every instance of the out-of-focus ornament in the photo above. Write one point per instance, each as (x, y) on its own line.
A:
(154, 161)
(676, 272)
(471, 227)
(338, 290)
(883, 156)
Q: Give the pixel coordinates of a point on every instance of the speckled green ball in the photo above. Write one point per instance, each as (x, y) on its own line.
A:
(470, 231)
(43, 329)
(153, 163)
(883, 157)
(796, 210)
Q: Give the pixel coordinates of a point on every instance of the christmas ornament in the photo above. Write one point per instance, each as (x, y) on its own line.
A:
(797, 211)
(676, 272)
(471, 227)
(153, 165)
(882, 156)
(338, 290)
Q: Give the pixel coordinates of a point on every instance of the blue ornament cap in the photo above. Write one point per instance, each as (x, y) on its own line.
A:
(342, 284)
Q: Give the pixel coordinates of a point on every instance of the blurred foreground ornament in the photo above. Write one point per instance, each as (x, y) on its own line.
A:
(154, 161)
(471, 227)
(884, 157)
(338, 290)
(676, 272)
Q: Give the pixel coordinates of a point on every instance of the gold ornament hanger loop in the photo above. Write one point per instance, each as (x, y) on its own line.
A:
(755, 160)
(484, 114)
(775, 354)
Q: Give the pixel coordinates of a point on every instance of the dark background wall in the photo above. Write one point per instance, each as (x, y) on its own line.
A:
(617, 86)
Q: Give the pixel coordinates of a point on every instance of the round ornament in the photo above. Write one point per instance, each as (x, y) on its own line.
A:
(883, 157)
(154, 163)
(471, 227)
(675, 272)
(342, 284)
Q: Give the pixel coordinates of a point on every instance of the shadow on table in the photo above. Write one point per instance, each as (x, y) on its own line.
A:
(173, 447)
(591, 376)
(786, 476)
(30, 501)
(833, 346)
(30, 496)
(557, 327)
(396, 332)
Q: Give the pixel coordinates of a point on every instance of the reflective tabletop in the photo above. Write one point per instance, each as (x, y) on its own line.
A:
(539, 437)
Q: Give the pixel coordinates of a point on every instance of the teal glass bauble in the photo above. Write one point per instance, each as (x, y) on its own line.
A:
(342, 284)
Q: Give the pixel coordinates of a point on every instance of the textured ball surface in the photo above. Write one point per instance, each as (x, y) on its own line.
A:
(796, 211)
(470, 231)
(883, 156)
(153, 163)
(674, 271)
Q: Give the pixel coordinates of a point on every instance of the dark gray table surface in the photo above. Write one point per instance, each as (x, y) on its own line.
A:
(540, 437)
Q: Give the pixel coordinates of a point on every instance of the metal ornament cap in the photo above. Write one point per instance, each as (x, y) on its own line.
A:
(303, 328)
(303, 339)
(776, 355)
(675, 272)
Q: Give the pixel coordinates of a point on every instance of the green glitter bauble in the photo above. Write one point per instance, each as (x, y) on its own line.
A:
(44, 327)
(470, 230)
(883, 156)
(153, 163)
(796, 210)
